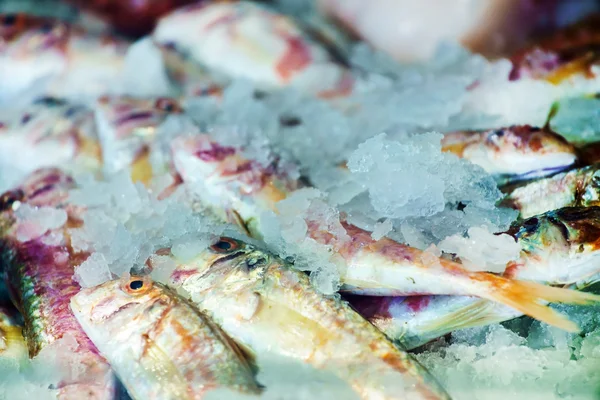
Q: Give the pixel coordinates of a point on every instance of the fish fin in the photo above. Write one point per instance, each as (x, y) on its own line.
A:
(156, 360)
(480, 312)
(532, 299)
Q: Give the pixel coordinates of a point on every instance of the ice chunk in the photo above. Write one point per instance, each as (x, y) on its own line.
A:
(93, 271)
(287, 233)
(578, 119)
(381, 229)
(413, 177)
(149, 80)
(482, 250)
(33, 222)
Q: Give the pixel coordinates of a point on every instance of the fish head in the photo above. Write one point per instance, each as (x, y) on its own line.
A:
(114, 304)
(128, 125)
(46, 187)
(228, 264)
(24, 35)
(523, 149)
(576, 229)
(220, 168)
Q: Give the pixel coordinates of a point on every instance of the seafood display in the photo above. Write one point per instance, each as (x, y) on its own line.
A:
(292, 200)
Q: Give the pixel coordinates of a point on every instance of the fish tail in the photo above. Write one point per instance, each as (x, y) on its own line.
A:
(479, 312)
(532, 299)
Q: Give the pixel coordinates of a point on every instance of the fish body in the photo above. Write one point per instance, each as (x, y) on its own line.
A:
(51, 57)
(126, 128)
(576, 188)
(158, 344)
(223, 41)
(371, 267)
(38, 266)
(49, 132)
(516, 152)
(266, 306)
(12, 343)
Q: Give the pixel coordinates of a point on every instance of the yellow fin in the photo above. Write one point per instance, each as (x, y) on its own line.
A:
(532, 299)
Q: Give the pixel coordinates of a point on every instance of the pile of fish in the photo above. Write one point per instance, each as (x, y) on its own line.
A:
(135, 240)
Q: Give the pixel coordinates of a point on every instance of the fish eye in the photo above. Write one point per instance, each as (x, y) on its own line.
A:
(168, 105)
(225, 245)
(137, 285)
(25, 119)
(9, 198)
(9, 20)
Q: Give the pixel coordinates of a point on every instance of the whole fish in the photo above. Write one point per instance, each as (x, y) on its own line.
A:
(12, 344)
(38, 266)
(157, 343)
(49, 132)
(213, 43)
(126, 128)
(576, 188)
(513, 153)
(559, 247)
(265, 305)
(568, 54)
(243, 189)
(51, 57)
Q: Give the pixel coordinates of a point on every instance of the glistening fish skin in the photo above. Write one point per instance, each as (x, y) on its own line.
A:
(53, 132)
(244, 188)
(126, 128)
(559, 247)
(12, 343)
(267, 306)
(220, 41)
(158, 344)
(512, 153)
(576, 188)
(39, 273)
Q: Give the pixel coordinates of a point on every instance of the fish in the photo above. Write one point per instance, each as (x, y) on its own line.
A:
(579, 187)
(126, 128)
(49, 132)
(12, 343)
(47, 56)
(568, 54)
(513, 153)
(558, 248)
(243, 189)
(210, 44)
(38, 267)
(160, 346)
(265, 305)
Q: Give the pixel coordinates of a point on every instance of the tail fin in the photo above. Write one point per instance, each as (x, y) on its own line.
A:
(480, 312)
(532, 298)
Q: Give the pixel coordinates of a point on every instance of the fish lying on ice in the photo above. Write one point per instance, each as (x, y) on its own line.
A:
(265, 305)
(211, 44)
(38, 266)
(559, 247)
(576, 188)
(242, 189)
(513, 153)
(158, 344)
(46, 56)
(50, 132)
